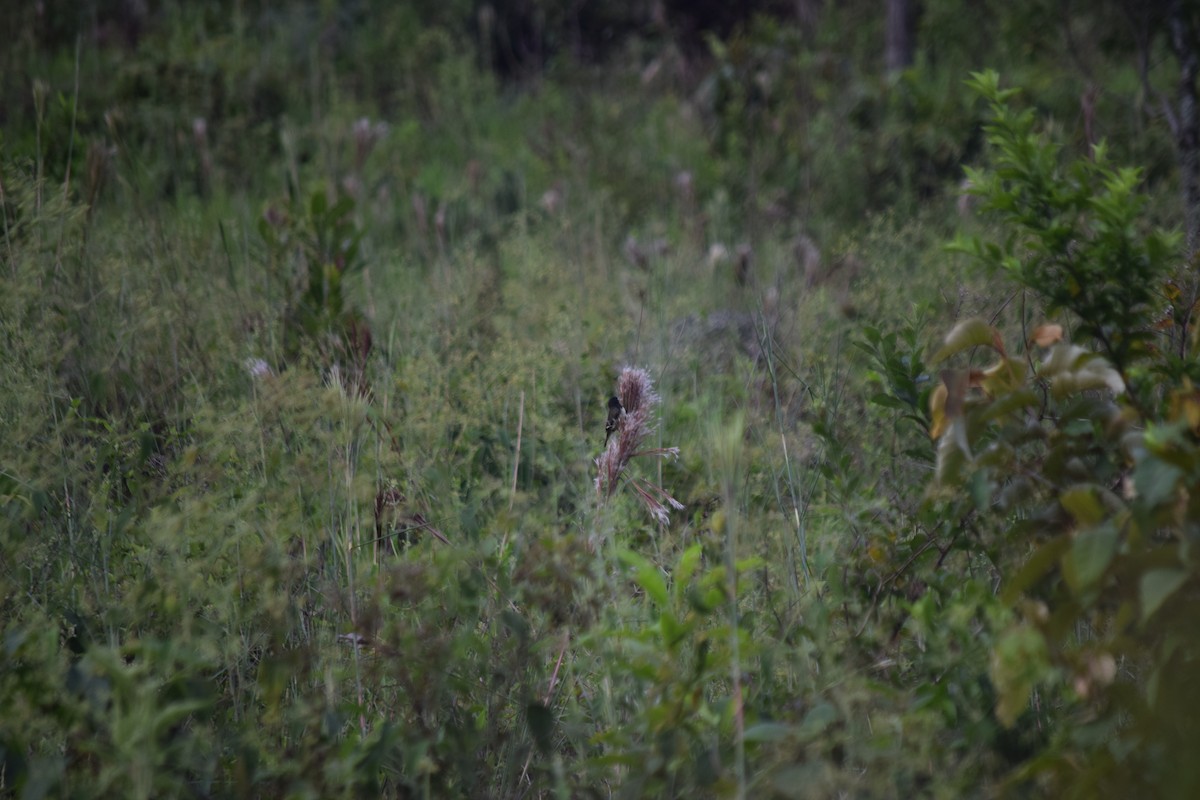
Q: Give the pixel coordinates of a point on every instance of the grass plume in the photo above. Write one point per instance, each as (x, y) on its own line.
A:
(636, 392)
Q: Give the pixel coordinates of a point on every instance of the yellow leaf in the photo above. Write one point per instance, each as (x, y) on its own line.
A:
(949, 398)
(1046, 335)
(1004, 376)
(937, 412)
(969, 333)
(1185, 404)
(1191, 410)
(956, 381)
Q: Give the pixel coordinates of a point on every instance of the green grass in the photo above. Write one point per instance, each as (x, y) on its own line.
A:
(191, 552)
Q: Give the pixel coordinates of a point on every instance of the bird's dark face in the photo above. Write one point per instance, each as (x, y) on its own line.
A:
(614, 417)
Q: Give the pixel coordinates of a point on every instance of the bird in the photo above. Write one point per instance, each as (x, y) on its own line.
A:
(614, 418)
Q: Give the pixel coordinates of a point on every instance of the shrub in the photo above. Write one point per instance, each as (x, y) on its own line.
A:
(1075, 460)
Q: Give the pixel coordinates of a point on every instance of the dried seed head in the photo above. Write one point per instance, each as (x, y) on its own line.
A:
(634, 402)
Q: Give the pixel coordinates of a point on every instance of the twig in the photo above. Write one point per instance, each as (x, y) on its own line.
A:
(517, 455)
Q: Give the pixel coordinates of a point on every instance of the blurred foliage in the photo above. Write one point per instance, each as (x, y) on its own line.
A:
(289, 289)
(1079, 467)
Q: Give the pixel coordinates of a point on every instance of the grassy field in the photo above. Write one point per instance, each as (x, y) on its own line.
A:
(309, 318)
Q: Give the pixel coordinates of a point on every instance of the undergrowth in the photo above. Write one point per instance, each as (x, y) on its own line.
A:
(304, 475)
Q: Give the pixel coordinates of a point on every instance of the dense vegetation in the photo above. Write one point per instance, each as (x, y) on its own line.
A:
(310, 313)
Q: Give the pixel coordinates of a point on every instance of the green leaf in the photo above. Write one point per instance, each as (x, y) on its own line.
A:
(963, 244)
(1155, 480)
(980, 487)
(1083, 503)
(648, 576)
(341, 208)
(1072, 369)
(672, 630)
(687, 567)
(887, 401)
(798, 780)
(617, 760)
(818, 719)
(1019, 663)
(317, 204)
(1157, 585)
(515, 622)
(749, 564)
(14, 639)
(1006, 404)
(1035, 567)
(951, 461)
(935, 697)
(541, 725)
(768, 732)
(175, 712)
(1169, 442)
(1089, 557)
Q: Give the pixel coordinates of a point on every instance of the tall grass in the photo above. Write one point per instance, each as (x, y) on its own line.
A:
(302, 468)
